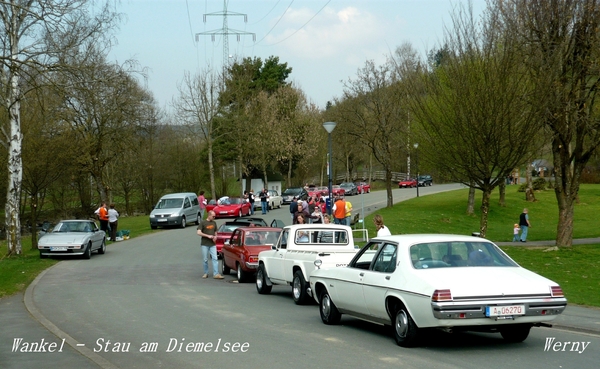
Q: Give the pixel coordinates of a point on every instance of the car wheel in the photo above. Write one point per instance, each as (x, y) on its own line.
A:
(102, 248)
(405, 329)
(225, 270)
(87, 254)
(329, 313)
(240, 214)
(241, 275)
(515, 333)
(183, 224)
(198, 219)
(261, 281)
(299, 288)
(43, 256)
(153, 227)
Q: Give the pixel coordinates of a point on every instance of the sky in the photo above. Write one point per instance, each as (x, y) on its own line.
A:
(325, 42)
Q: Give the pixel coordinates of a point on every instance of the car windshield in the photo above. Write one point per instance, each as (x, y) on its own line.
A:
(169, 204)
(235, 200)
(292, 191)
(458, 254)
(258, 238)
(228, 228)
(63, 227)
(346, 184)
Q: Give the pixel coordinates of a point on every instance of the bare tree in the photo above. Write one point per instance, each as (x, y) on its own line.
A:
(198, 106)
(560, 44)
(36, 35)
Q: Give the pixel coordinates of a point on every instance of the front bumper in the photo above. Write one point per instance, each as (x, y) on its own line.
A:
(165, 221)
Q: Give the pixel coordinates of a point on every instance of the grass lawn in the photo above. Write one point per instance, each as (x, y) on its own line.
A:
(577, 269)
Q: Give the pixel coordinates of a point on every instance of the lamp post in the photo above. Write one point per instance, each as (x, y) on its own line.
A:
(329, 126)
(416, 145)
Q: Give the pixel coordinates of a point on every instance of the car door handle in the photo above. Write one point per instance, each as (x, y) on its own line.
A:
(362, 274)
(387, 277)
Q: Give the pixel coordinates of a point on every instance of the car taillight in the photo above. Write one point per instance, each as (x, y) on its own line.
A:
(556, 291)
(441, 295)
(253, 259)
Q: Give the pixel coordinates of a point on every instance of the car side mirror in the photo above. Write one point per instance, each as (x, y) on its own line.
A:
(226, 242)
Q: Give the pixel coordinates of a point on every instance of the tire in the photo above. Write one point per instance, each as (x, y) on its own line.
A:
(198, 219)
(43, 256)
(102, 249)
(299, 289)
(153, 227)
(515, 333)
(87, 254)
(405, 330)
(183, 223)
(241, 275)
(225, 270)
(240, 214)
(330, 314)
(261, 281)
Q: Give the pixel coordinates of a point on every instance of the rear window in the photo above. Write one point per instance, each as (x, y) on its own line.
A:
(458, 254)
(324, 237)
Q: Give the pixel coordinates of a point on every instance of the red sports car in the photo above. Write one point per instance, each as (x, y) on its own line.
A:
(410, 182)
(337, 190)
(363, 187)
(324, 190)
(232, 207)
(241, 252)
(210, 206)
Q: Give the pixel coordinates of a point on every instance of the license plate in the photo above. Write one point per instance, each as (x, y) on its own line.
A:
(162, 220)
(505, 310)
(58, 248)
(223, 212)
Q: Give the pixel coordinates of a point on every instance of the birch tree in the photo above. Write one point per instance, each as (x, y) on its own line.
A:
(36, 35)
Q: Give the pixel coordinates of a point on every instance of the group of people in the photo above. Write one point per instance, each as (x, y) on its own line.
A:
(522, 227)
(108, 218)
(308, 211)
(264, 200)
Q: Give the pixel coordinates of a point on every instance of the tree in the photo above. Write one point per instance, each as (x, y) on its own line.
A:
(474, 107)
(560, 45)
(36, 35)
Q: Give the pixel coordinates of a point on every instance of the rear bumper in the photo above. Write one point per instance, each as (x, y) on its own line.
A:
(542, 309)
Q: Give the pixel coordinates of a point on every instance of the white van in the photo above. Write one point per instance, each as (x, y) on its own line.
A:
(176, 209)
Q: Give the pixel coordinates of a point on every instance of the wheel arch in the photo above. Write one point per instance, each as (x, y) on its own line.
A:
(390, 306)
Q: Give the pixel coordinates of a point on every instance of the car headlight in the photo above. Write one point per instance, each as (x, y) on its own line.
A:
(151, 216)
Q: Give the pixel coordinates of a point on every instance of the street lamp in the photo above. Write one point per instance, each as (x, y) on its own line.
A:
(329, 126)
(416, 145)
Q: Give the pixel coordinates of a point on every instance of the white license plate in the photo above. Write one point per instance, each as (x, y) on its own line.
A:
(223, 212)
(505, 310)
(58, 248)
(162, 219)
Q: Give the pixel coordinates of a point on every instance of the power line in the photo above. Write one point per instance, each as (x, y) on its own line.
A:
(317, 13)
(276, 23)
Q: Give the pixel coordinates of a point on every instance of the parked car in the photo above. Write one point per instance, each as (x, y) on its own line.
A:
(240, 251)
(211, 205)
(337, 190)
(414, 282)
(350, 188)
(410, 182)
(324, 190)
(363, 187)
(73, 238)
(232, 207)
(425, 180)
(274, 200)
(175, 209)
(292, 192)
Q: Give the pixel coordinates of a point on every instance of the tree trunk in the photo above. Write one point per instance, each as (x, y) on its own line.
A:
(15, 170)
(289, 173)
(566, 190)
(33, 220)
(529, 194)
(485, 209)
(388, 187)
(211, 169)
(471, 201)
(502, 189)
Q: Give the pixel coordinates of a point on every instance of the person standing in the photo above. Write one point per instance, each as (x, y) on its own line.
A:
(202, 204)
(207, 229)
(348, 215)
(251, 200)
(382, 230)
(524, 224)
(294, 208)
(516, 230)
(264, 197)
(339, 211)
(102, 213)
(113, 217)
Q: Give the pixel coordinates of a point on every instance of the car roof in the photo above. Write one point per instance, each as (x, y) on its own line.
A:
(270, 229)
(429, 238)
(178, 195)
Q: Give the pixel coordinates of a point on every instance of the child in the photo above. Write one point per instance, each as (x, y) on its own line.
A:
(516, 233)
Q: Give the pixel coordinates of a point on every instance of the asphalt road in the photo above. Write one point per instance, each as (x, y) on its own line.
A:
(143, 302)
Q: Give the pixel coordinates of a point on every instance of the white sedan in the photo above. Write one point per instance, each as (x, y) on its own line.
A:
(452, 282)
(73, 238)
(274, 201)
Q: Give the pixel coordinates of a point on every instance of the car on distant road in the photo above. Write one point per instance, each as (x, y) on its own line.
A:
(337, 190)
(273, 202)
(363, 187)
(410, 182)
(297, 192)
(73, 238)
(450, 282)
(240, 251)
(232, 207)
(425, 180)
(350, 189)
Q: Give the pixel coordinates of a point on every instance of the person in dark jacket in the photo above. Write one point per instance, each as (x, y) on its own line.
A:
(524, 224)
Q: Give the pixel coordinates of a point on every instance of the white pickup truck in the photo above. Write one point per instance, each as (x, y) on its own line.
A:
(292, 258)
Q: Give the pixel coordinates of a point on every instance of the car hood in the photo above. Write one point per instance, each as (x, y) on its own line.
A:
(68, 238)
(226, 207)
(485, 281)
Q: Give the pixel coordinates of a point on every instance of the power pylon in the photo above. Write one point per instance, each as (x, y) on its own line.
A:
(225, 31)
